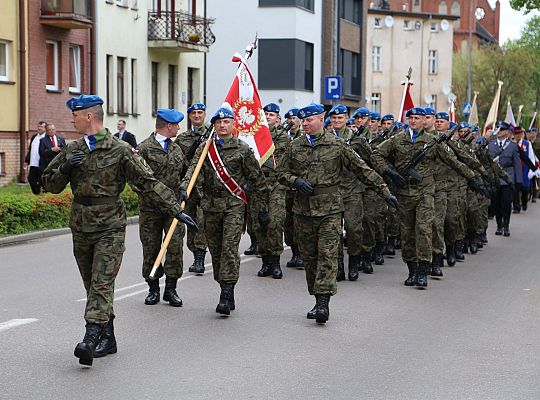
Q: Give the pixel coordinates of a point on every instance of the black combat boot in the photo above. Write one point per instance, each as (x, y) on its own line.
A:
(390, 249)
(397, 245)
(473, 245)
(85, 349)
(153, 293)
(311, 314)
(436, 265)
(266, 268)
(107, 341)
(478, 240)
(450, 255)
(367, 268)
(422, 274)
(459, 250)
(354, 266)
(292, 262)
(169, 294)
(413, 274)
(341, 269)
(253, 248)
(499, 230)
(466, 246)
(299, 261)
(379, 259)
(483, 237)
(506, 229)
(198, 262)
(226, 299)
(275, 266)
(322, 313)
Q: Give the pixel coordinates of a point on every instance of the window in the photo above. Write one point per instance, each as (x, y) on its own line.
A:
(121, 85)
(155, 77)
(350, 10)
(443, 7)
(307, 4)
(407, 25)
(432, 62)
(308, 66)
(74, 68)
(349, 69)
(377, 23)
(376, 102)
(134, 5)
(433, 27)
(122, 3)
(53, 65)
(376, 58)
(4, 61)
(2, 164)
(456, 10)
(110, 85)
(172, 86)
(433, 103)
(134, 107)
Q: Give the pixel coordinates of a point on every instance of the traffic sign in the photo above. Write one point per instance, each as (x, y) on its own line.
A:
(466, 108)
(332, 87)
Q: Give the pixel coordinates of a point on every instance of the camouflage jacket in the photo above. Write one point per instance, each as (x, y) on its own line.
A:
(187, 138)
(350, 185)
(400, 149)
(281, 141)
(104, 173)
(168, 167)
(241, 163)
(321, 165)
(295, 134)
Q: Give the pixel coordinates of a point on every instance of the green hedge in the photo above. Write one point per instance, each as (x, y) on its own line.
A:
(25, 212)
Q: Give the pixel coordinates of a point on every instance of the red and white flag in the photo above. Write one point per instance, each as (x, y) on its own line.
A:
(406, 101)
(249, 120)
(452, 111)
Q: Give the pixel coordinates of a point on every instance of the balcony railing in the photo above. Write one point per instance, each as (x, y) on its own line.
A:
(68, 14)
(186, 29)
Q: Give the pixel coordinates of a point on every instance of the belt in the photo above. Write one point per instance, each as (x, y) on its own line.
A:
(325, 189)
(94, 201)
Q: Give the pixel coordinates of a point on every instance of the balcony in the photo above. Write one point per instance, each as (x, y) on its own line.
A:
(179, 31)
(67, 14)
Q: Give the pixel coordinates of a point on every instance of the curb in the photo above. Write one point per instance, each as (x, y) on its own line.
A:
(25, 237)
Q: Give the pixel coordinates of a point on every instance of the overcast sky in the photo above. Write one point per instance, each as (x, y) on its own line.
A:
(512, 21)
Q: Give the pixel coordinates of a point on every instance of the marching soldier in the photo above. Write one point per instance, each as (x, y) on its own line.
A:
(97, 167)
(227, 171)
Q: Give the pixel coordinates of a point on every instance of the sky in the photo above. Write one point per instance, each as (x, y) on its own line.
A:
(512, 21)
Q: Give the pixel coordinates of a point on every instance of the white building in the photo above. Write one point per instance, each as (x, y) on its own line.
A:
(287, 63)
(150, 54)
(397, 40)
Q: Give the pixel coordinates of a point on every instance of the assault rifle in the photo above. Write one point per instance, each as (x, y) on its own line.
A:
(287, 126)
(387, 132)
(359, 132)
(207, 133)
(486, 142)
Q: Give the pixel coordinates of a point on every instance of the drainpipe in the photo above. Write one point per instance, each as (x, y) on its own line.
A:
(22, 89)
(93, 39)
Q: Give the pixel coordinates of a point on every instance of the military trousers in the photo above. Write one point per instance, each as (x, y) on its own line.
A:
(416, 215)
(472, 213)
(270, 239)
(318, 243)
(98, 256)
(440, 201)
(288, 227)
(153, 226)
(454, 223)
(195, 240)
(352, 218)
(373, 221)
(391, 227)
(223, 232)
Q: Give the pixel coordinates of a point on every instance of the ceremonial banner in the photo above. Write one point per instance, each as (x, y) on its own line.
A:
(249, 120)
(452, 111)
(406, 100)
(533, 121)
(473, 116)
(494, 110)
(509, 119)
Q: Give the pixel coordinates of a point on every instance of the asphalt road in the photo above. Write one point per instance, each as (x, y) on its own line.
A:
(471, 335)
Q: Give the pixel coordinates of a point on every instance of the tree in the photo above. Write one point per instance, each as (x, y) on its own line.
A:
(525, 5)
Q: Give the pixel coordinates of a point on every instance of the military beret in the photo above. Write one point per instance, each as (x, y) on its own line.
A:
(361, 112)
(271, 107)
(196, 106)
(309, 110)
(170, 115)
(452, 124)
(442, 115)
(222, 113)
(503, 125)
(291, 113)
(463, 125)
(375, 115)
(350, 121)
(475, 128)
(416, 111)
(84, 101)
(327, 122)
(338, 109)
(399, 125)
(429, 111)
(518, 129)
(533, 130)
(387, 117)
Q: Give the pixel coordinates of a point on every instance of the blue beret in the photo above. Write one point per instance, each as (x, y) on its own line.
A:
(170, 115)
(387, 117)
(452, 124)
(399, 125)
(338, 109)
(271, 107)
(503, 125)
(534, 130)
(222, 113)
(375, 115)
(84, 101)
(350, 121)
(463, 125)
(291, 113)
(416, 111)
(361, 112)
(327, 122)
(196, 106)
(475, 128)
(442, 115)
(429, 111)
(309, 110)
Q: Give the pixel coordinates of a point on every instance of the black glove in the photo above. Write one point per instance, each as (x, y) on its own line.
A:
(186, 219)
(264, 219)
(396, 177)
(303, 186)
(76, 158)
(476, 186)
(391, 201)
(183, 195)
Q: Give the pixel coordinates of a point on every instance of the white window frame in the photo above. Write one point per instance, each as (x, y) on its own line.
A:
(434, 27)
(77, 62)
(376, 58)
(377, 23)
(433, 64)
(407, 25)
(121, 3)
(433, 102)
(56, 85)
(6, 46)
(376, 102)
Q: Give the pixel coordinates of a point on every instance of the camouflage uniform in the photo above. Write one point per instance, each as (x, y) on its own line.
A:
(98, 215)
(318, 216)
(288, 227)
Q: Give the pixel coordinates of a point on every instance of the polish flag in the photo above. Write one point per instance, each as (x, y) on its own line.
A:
(406, 100)
(249, 120)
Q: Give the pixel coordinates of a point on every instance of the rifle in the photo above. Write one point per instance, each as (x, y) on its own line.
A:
(195, 145)
(388, 131)
(486, 142)
(408, 170)
(287, 126)
(359, 132)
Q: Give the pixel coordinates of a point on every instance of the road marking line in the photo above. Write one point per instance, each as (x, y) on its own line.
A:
(12, 323)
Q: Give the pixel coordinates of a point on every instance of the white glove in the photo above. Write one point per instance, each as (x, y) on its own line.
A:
(531, 174)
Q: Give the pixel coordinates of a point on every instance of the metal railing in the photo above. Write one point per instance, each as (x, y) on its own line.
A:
(180, 26)
(65, 8)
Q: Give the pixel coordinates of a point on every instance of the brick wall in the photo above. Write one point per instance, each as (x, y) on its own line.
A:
(9, 145)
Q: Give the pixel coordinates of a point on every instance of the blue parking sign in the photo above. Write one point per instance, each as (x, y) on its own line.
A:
(332, 87)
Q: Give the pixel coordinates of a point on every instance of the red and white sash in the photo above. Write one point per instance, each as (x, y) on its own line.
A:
(223, 175)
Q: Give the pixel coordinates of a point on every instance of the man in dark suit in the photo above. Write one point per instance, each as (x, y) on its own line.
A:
(32, 159)
(124, 135)
(506, 153)
(49, 146)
